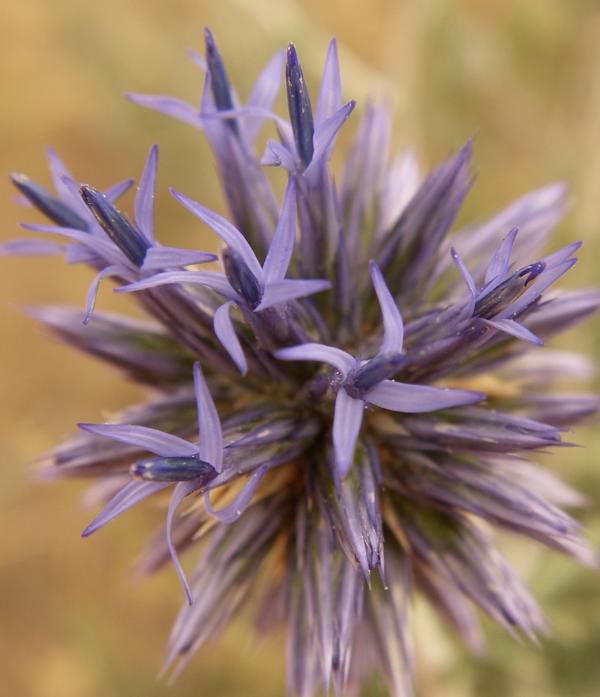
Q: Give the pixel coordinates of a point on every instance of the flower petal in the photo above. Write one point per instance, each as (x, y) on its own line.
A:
(329, 99)
(282, 246)
(59, 171)
(160, 257)
(231, 512)
(90, 300)
(278, 292)
(226, 231)
(225, 332)
(339, 359)
(176, 108)
(515, 329)
(117, 190)
(501, 259)
(561, 255)
(277, 155)
(102, 247)
(263, 94)
(325, 135)
(414, 399)
(30, 248)
(468, 279)
(393, 334)
(144, 197)
(210, 446)
(179, 493)
(210, 279)
(128, 496)
(145, 438)
(347, 419)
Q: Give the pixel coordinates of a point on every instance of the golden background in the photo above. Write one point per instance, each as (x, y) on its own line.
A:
(523, 75)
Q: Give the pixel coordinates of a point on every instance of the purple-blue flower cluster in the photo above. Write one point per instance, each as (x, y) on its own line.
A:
(342, 408)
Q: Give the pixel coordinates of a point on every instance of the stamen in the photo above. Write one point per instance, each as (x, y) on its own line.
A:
(51, 206)
(174, 469)
(299, 107)
(116, 225)
(242, 280)
(219, 81)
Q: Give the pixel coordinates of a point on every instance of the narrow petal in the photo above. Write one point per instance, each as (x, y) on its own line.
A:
(179, 493)
(197, 59)
(176, 108)
(401, 185)
(144, 198)
(158, 258)
(339, 359)
(114, 192)
(281, 249)
(279, 292)
(329, 99)
(210, 279)
(225, 332)
(145, 438)
(501, 259)
(393, 327)
(515, 329)
(277, 155)
(59, 171)
(231, 512)
(101, 247)
(561, 255)
(210, 446)
(326, 134)
(90, 300)
(414, 399)
(347, 419)
(226, 231)
(263, 94)
(128, 496)
(468, 279)
(30, 248)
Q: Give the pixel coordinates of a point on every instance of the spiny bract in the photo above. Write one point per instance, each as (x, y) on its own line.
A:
(348, 404)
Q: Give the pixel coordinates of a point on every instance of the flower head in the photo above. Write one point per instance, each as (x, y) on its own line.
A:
(372, 381)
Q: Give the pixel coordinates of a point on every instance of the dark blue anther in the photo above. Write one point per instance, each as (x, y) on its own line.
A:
(48, 204)
(299, 107)
(219, 82)
(115, 224)
(532, 271)
(373, 372)
(174, 469)
(508, 291)
(241, 279)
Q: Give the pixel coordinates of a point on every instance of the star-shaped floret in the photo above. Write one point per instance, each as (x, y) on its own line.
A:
(191, 466)
(506, 294)
(306, 146)
(246, 282)
(101, 234)
(366, 382)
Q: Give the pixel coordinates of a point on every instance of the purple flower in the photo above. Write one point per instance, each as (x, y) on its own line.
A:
(365, 381)
(327, 435)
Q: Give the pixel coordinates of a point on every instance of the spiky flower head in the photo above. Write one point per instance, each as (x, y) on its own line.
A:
(345, 407)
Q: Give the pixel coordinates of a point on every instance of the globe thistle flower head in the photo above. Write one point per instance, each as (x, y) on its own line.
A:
(341, 413)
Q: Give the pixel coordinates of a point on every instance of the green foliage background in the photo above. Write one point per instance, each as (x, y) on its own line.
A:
(525, 76)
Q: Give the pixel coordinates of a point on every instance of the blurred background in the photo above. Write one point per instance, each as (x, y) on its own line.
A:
(523, 76)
